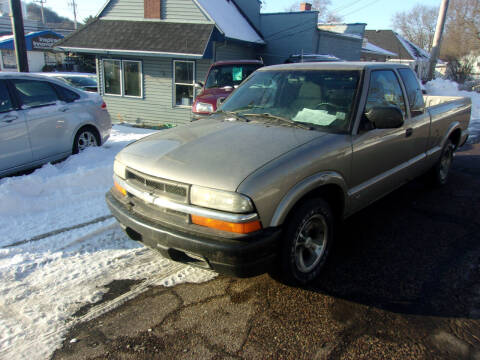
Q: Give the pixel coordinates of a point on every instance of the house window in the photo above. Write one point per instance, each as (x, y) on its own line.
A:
(132, 78)
(183, 82)
(122, 78)
(8, 59)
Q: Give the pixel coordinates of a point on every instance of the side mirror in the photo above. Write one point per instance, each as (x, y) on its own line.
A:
(385, 117)
(199, 85)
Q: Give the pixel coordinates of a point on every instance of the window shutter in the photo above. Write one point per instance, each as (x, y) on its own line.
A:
(152, 9)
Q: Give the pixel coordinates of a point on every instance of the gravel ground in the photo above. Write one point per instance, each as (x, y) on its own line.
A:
(403, 282)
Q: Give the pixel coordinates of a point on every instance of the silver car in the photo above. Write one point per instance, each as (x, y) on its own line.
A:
(43, 119)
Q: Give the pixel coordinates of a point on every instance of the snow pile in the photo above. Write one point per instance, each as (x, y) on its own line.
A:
(61, 195)
(44, 282)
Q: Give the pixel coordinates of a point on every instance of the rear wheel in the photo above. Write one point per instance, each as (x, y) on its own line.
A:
(307, 241)
(86, 137)
(442, 169)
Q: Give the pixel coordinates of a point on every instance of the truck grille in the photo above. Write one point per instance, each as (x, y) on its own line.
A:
(169, 189)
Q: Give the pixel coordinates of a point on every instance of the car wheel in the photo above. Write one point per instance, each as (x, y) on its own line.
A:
(86, 137)
(442, 168)
(307, 241)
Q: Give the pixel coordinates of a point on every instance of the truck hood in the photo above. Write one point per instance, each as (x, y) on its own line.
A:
(212, 153)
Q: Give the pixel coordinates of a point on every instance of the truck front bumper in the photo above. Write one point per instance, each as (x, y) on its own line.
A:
(249, 256)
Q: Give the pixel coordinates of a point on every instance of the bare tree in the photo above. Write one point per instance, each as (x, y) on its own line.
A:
(417, 25)
(462, 32)
(324, 14)
(462, 29)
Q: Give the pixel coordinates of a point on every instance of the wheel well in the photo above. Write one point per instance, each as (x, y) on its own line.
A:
(455, 137)
(91, 127)
(331, 193)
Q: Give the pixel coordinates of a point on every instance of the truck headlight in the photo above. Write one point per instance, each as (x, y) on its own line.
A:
(220, 200)
(119, 169)
(204, 107)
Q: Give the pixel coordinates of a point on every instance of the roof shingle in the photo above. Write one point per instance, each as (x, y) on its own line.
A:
(141, 36)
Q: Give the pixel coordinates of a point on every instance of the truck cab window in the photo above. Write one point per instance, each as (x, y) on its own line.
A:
(384, 90)
(414, 92)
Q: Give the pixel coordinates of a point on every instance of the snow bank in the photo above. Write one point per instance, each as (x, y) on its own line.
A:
(450, 88)
(43, 283)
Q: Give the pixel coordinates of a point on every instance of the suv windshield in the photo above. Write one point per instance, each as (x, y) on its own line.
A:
(322, 98)
(229, 75)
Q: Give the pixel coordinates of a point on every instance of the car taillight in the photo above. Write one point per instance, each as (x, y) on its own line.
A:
(104, 105)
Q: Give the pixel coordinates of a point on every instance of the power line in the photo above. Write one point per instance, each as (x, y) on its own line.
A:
(361, 8)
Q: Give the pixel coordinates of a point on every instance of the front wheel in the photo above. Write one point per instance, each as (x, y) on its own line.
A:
(307, 241)
(86, 137)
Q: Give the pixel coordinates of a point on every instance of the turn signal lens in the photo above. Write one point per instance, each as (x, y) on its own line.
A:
(243, 228)
(120, 189)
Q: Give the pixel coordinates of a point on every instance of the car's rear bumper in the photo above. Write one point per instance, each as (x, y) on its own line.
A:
(251, 255)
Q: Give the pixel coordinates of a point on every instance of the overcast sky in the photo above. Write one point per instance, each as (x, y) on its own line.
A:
(376, 13)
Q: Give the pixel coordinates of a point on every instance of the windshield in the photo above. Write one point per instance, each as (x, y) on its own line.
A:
(229, 75)
(320, 98)
(81, 80)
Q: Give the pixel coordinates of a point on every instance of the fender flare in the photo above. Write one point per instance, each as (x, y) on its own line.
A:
(453, 126)
(304, 187)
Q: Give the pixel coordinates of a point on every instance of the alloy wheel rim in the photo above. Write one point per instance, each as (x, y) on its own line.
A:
(310, 243)
(85, 140)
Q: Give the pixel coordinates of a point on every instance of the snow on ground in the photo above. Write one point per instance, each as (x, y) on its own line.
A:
(43, 283)
(450, 88)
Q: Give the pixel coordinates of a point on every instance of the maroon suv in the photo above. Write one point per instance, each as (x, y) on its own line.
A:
(222, 78)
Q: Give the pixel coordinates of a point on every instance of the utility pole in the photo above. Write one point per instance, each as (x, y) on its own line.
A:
(437, 39)
(73, 4)
(19, 35)
(41, 2)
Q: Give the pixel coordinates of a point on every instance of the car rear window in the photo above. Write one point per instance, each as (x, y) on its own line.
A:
(66, 94)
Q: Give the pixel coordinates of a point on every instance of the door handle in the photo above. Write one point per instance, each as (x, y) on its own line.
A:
(409, 132)
(9, 119)
(64, 109)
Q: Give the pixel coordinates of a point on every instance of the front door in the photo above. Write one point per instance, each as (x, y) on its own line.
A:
(45, 119)
(14, 145)
(380, 156)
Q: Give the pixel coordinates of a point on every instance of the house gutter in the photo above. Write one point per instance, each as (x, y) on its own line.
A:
(127, 52)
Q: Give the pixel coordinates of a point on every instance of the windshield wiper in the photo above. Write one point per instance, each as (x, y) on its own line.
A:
(281, 119)
(234, 114)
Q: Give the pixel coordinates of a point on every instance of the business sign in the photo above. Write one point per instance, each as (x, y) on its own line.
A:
(45, 42)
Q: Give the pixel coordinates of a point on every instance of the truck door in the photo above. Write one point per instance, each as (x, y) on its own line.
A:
(419, 121)
(14, 145)
(380, 156)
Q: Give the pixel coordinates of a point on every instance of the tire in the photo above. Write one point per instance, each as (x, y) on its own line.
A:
(85, 137)
(307, 242)
(441, 170)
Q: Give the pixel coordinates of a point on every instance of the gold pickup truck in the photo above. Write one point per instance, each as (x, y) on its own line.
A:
(265, 181)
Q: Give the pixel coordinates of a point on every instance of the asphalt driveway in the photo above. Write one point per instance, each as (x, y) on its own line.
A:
(403, 282)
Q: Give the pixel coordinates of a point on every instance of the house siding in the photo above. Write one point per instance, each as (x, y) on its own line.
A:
(183, 10)
(232, 51)
(172, 10)
(287, 34)
(156, 107)
(123, 10)
(344, 48)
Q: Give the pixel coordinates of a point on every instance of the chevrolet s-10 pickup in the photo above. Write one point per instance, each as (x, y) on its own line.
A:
(265, 182)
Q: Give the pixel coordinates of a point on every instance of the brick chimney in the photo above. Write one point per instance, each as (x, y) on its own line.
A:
(304, 6)
(152, 9)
